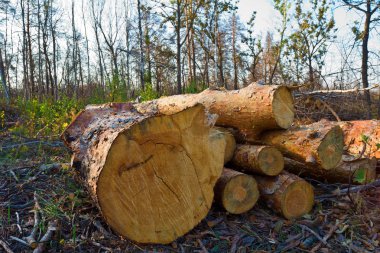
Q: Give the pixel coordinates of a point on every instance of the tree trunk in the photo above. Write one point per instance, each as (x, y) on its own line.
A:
(178, 35)
(286, 194)
(362, 137)
(263, 160)
(142, 81)
(365, 62)
(236, 192)
(249, 110)
(30, 52)
(234, 53)
(358, 171)
(318, 145)
(150, 170)
(3, 79)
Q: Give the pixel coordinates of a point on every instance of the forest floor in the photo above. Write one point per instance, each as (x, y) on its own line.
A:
(35, 175)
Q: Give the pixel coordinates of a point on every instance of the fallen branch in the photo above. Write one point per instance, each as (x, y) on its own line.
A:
(354, 189)
(5, 246)
(337, 91)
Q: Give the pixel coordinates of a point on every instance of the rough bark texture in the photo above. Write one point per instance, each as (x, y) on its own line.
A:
(150, 170)
(319, 144)
(250, 110)
(358, 171)
(236, 192)
(354, 131)
(263, 160)
(287, 194)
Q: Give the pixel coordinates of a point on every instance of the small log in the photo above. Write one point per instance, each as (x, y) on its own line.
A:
(263, 160)
(151, 171)
(319, 144)
(230, 142)
(355, 131)
(358, 171)
(236, 192)
(287, 194)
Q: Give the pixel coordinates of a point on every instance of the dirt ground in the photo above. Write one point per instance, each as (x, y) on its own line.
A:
(34, 175)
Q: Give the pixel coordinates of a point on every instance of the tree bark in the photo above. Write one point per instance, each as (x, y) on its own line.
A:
(236, 192)
(3, 79)
(286, 194)
(249, 110)
(150, 169)
(362, 137)
(263, 160)
(142, 80)
(319, 145)
(358, 171)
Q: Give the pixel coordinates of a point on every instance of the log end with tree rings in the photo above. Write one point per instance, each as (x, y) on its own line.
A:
(263, 160)
(283, 107)
(151, 172)
(236, 192)
(297, 199)
(330, 149)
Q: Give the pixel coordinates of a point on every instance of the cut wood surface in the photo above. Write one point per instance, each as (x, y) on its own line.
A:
(236, 192)
(250, 110)
(287, 194)
(263, 160)
(150, 171)
(319, 144)
(354, 131)
(358, 171)
(230, 142)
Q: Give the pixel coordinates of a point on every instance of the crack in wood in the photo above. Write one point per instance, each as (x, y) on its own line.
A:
(123, 169)
(166, 184)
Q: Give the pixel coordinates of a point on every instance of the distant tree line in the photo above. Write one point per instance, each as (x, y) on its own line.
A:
(114, 50)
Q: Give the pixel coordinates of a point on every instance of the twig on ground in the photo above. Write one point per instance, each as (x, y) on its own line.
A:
(5, 246)
(19, 240)
(13, 175)
(326, 237)
(204, 250)
(52, 226)
(18, 222)
(101, 246)
(101, 229)
(315, 234)
(31, 239)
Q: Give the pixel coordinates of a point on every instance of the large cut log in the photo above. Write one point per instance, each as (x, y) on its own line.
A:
(319, 144)
(249, 110)
(362, 137)
(150, 171)
(236, 192)
(263, 160)
(357, 171)
(287, 194)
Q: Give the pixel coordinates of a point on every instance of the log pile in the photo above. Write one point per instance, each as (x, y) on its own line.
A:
(154, 169)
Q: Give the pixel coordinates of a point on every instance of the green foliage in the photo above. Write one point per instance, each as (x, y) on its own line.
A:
(194, 88)
(148, 93)
(378, 145)
(307, 45)
(360, 176)
(45, 118)
(117, 89)
(364, 138)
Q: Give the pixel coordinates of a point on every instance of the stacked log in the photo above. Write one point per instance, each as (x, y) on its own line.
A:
(153, 169)
(287, 194)
(357, 171)
(319, 145)
(263, 160)
(236, 192)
